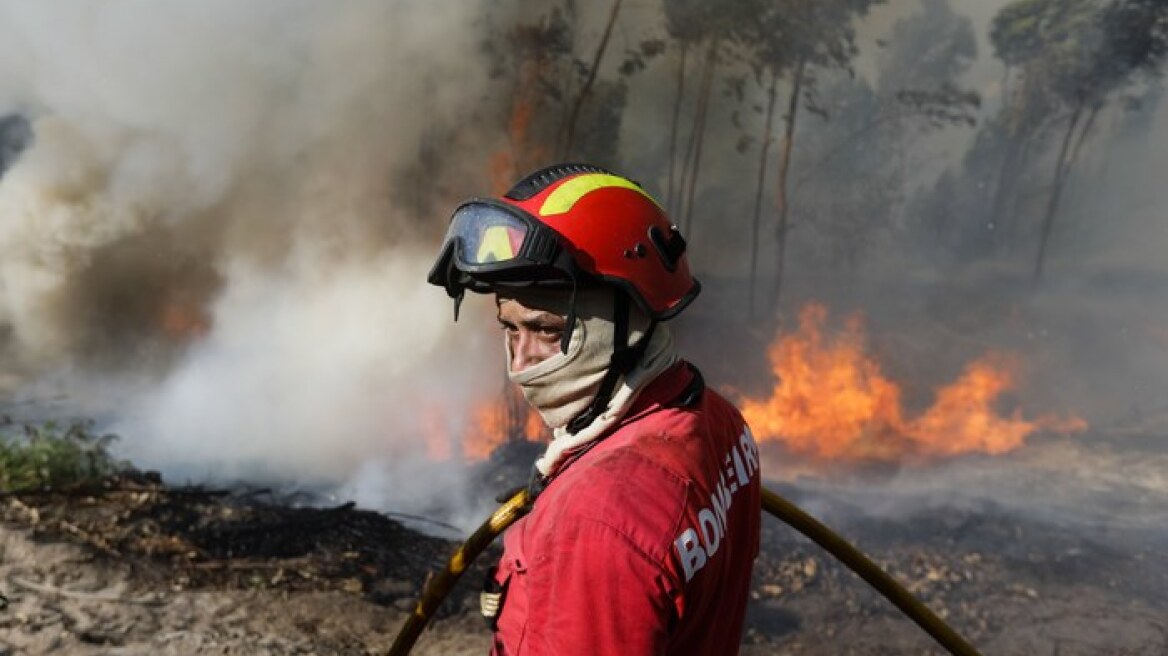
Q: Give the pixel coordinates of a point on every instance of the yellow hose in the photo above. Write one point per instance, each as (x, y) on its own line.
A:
(856, 561)
(517, 506)
(438, 587)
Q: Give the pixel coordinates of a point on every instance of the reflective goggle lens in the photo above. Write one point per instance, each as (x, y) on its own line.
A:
(488, 234)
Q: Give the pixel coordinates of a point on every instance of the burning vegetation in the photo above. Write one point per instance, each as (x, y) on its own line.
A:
(488, 426)
(832, 401)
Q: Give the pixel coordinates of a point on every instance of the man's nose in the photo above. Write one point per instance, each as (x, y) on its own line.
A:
(524, 352)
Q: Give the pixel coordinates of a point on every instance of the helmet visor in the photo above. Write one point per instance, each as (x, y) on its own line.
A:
(490, 242)
(487, 235)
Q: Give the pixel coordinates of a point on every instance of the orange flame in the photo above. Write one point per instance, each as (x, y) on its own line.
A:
(182, 320)
(832, 401)
(519, 152)
(502, 169)
(487, 432)
(488, 427)
(493, 426)
(518, 126)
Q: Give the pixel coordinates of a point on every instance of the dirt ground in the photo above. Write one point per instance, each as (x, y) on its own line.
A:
(65, 599)
(148, 570)
(137, 567)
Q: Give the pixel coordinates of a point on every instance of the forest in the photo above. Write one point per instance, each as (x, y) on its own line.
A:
(770, 133)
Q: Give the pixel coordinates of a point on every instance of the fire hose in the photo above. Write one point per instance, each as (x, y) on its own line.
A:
(437, 588)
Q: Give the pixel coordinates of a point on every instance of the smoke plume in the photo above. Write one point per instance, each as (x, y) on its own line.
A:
(205, 241)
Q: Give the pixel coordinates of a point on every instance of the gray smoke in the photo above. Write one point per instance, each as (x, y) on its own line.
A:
(204, 242)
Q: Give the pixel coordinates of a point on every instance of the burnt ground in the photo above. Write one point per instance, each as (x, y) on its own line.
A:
(137, 567)
(1008, 583)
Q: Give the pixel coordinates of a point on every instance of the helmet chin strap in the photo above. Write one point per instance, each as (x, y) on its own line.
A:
(624, 358)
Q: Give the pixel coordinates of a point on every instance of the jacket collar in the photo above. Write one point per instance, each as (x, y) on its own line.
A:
(661, 392)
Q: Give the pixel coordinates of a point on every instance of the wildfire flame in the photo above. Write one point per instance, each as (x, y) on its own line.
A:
(502, 169)
(489, 426)
(491, 429)
(832, 401)
(521, 152)
(183, 320)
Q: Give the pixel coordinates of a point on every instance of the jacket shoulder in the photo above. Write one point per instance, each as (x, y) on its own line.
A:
(638, 498)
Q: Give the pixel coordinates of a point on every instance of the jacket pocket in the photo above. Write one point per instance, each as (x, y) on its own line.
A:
(510, 621)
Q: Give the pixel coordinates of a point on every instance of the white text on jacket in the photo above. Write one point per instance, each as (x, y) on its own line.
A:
(695, 546)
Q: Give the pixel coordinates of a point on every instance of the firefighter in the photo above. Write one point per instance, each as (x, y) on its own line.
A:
(645, 526)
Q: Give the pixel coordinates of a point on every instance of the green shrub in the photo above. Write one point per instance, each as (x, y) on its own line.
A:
(50, 456)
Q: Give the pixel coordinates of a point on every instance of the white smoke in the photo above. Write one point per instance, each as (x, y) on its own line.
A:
(233, 164)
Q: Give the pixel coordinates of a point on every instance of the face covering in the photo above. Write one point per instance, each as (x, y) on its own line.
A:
(564, 385)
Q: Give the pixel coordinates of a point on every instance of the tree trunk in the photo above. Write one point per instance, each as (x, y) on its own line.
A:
(782, 200)
(669, 199)
(1005, 85)
(1000, 210)
(687, 158)
(1056, 189)
(524, 150)
(587, 88)
(762, 164)
(1001, 213)
(699, 133)
(1083, 134)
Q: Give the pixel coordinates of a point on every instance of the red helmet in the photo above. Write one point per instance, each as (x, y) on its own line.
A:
(569, 224)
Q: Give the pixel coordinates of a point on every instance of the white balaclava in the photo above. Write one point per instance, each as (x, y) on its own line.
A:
(564, 385)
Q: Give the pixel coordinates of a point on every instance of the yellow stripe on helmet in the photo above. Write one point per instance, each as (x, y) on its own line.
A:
(568, 194)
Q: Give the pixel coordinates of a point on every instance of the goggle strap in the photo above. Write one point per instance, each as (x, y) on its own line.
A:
(541, 246)
(620, 320)
(566, 338)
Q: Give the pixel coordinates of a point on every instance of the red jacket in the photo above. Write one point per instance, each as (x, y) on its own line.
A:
(644, 544)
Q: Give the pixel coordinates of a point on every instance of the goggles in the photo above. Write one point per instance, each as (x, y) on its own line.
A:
(490, 241)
